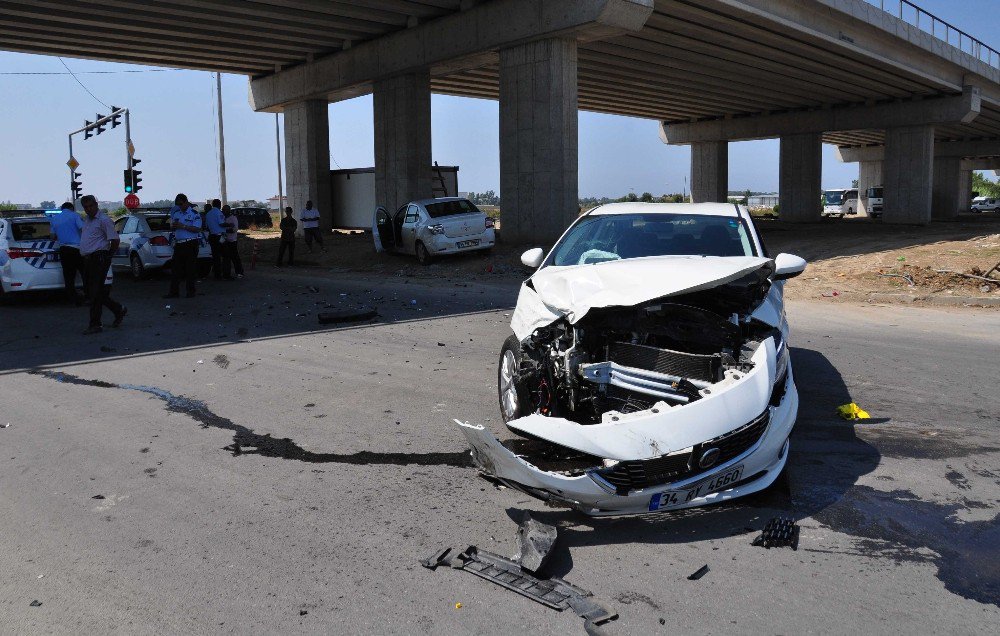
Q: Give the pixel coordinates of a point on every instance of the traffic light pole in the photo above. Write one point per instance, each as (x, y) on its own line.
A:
(72, 172)
(99, 125)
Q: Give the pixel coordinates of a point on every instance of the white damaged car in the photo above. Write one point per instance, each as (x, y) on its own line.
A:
(649, 366)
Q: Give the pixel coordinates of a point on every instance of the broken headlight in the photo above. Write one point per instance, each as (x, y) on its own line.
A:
(781, 361)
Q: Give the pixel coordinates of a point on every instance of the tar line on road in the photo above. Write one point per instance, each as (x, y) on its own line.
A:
(246, 441)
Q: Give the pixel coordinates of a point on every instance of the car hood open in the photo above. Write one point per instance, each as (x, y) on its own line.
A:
(570, 292)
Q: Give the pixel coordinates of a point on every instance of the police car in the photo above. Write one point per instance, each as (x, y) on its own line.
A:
(147, 244)
(29, 258)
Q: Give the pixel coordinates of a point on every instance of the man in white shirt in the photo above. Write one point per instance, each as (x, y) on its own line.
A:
(310, 226)
(98, 243)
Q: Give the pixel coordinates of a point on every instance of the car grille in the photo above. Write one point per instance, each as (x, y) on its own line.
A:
(686, 365)
(636, 475)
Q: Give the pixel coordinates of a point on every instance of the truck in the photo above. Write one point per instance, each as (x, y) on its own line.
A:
(875, 202)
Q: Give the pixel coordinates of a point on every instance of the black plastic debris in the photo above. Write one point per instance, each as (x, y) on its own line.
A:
(98, 497)
(36, 603)
(700, 572)
(346, 315)
(554, 592)
(535, 542)
(778, 533)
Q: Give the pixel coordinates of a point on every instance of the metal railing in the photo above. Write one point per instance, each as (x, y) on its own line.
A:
(930, 23)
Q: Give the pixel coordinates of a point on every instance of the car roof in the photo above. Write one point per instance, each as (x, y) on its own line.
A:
(439, 200)
(706, 209)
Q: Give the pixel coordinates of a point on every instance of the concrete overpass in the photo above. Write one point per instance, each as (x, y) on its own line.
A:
(712, 71)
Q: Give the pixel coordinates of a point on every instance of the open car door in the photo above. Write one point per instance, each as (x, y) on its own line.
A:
(382, 232)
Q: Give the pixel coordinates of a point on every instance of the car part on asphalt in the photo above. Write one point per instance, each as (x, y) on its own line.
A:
(700, 572)
(346, 315)
(555, 592)
(649, 368)
(535, 542)
(852, 412)
(779, 532)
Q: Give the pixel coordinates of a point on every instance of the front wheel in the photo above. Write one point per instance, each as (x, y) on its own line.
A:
(510, 389)
(423, 256)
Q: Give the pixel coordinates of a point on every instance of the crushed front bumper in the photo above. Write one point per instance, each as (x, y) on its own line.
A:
(762, 463)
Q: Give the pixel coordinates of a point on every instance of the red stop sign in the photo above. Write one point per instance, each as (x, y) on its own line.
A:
(131, 201)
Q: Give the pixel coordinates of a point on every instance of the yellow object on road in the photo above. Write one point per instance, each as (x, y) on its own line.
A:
(852, 412)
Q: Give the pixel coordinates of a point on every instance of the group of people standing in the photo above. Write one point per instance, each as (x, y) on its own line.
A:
(222, 227)
(288, 227)
(86, 246)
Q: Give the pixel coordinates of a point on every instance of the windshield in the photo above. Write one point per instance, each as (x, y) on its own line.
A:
(874, 193)
(833, 197)
(611, 237)
(450, 208)
(31, 230)
(158, 223)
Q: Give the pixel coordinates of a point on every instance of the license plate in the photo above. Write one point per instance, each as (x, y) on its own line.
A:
(467, 243)
(671, 498)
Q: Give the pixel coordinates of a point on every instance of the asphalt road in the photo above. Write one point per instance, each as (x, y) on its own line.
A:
(228, 465)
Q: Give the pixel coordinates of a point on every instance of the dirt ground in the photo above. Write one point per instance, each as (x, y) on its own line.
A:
(849, 259)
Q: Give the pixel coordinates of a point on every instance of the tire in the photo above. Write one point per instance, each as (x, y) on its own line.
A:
(423, 256)
(512, 394)
(136, 267)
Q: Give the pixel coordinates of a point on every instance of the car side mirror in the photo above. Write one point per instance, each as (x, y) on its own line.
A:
(533, 257)
(788, 266)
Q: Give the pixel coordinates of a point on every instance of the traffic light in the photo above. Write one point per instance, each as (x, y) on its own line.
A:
(86, 133)
(115, 117)
(76, 185)
(100, 127)
(131, 176)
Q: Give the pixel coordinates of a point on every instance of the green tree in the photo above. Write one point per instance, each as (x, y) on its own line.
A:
(646, 197)
(47, 205)
(7, 205)
(984, 186)
(854, 183)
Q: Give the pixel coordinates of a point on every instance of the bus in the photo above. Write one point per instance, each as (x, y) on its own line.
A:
(840, 203)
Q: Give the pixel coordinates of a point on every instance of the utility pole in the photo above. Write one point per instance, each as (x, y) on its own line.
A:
(277, 144)
(222, 141)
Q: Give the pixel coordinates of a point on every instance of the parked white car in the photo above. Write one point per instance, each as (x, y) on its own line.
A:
(649, 366)
(29, 258)
(147, 244)
(985, 204)
(433, 227)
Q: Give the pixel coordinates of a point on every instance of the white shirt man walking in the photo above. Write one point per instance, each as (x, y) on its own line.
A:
(310, 226)
(98, 243)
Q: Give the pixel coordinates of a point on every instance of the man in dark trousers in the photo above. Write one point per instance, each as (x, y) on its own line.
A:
(98, 242)
(310, 226)
(186, 223)
(215, 224)
(231, 252)
(66, 228)
(288, 226)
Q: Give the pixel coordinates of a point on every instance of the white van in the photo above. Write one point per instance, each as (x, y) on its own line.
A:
(985, 204)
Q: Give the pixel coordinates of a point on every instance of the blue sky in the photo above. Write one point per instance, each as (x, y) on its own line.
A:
(174, 133)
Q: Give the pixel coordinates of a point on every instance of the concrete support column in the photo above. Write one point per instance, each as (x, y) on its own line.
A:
(965, 187)
(869, 176)
(710, 172)
(307, 159)
(402, 110)
(800, 177)
(539, 152)
(909, 174)
(947, 199)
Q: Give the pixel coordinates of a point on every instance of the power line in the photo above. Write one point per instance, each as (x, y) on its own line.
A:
(81, 84)
(145, 70)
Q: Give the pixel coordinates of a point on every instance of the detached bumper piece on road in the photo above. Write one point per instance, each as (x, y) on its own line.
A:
(555, 592)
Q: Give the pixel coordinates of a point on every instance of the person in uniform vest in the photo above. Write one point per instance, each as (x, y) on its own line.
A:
(186, 223)
(66, 228)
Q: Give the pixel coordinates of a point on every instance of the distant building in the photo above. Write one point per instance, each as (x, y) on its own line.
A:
(763, 200)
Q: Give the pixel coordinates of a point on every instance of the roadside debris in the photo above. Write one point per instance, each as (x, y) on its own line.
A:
(98, 497)
(346, 315)
(520, 574)
(7, 425)
(852, 412)
(700, 572)
(779, 532)
(36, 603)
(535, 543)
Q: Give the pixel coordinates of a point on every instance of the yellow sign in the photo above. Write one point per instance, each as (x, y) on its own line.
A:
(73, 163)
(131, 149)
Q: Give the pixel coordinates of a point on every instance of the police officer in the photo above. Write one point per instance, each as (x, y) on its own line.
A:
(66, 228)
(98, 242)
(186, 223)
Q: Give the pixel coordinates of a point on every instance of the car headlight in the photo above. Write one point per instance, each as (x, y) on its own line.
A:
(436, 229)
(781, 361)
